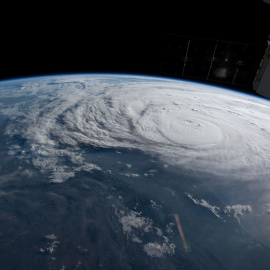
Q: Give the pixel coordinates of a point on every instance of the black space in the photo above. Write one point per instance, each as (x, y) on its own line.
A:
(121, 38)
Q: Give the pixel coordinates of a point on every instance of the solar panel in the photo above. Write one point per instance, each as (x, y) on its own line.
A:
(211, 60)
(261, 82)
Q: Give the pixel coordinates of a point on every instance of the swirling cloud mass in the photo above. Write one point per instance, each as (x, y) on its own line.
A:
(186, 124)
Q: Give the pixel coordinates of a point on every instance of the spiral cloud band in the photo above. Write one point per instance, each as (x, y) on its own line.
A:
(185, 124)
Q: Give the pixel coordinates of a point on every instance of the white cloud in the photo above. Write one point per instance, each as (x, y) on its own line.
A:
(155, 205)
(158, 250)
(238, 210)
(204, 203)
(130, 174)
(151, 173)
(136, 226)
(169, 227)
(136, 239)
(56, 115)
(267, 211)
(134, 220)
(53, 243)
(158, 231)
(51, 237)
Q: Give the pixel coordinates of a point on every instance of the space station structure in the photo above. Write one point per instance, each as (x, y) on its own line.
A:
(261, 83)
(215, 61)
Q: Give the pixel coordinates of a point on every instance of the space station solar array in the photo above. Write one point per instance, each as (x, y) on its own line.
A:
(211, 60)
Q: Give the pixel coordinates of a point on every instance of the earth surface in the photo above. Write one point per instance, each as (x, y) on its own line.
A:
(107, 171)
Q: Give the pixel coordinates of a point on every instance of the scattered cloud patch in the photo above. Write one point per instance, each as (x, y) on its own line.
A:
(267, 211)
(158, 250)
(169, 228)
(150, 173)
(88, 167)
(134, 220)
(61, 176)
(136, 226)
(204, 203)
(155, 205)
(27, 173)
(135, 239)
(238, 210)
(158, 232)
(52, 244)
(130, 174)
(51, 237)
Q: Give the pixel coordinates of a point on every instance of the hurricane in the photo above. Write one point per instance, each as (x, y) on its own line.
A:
(190, 125)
